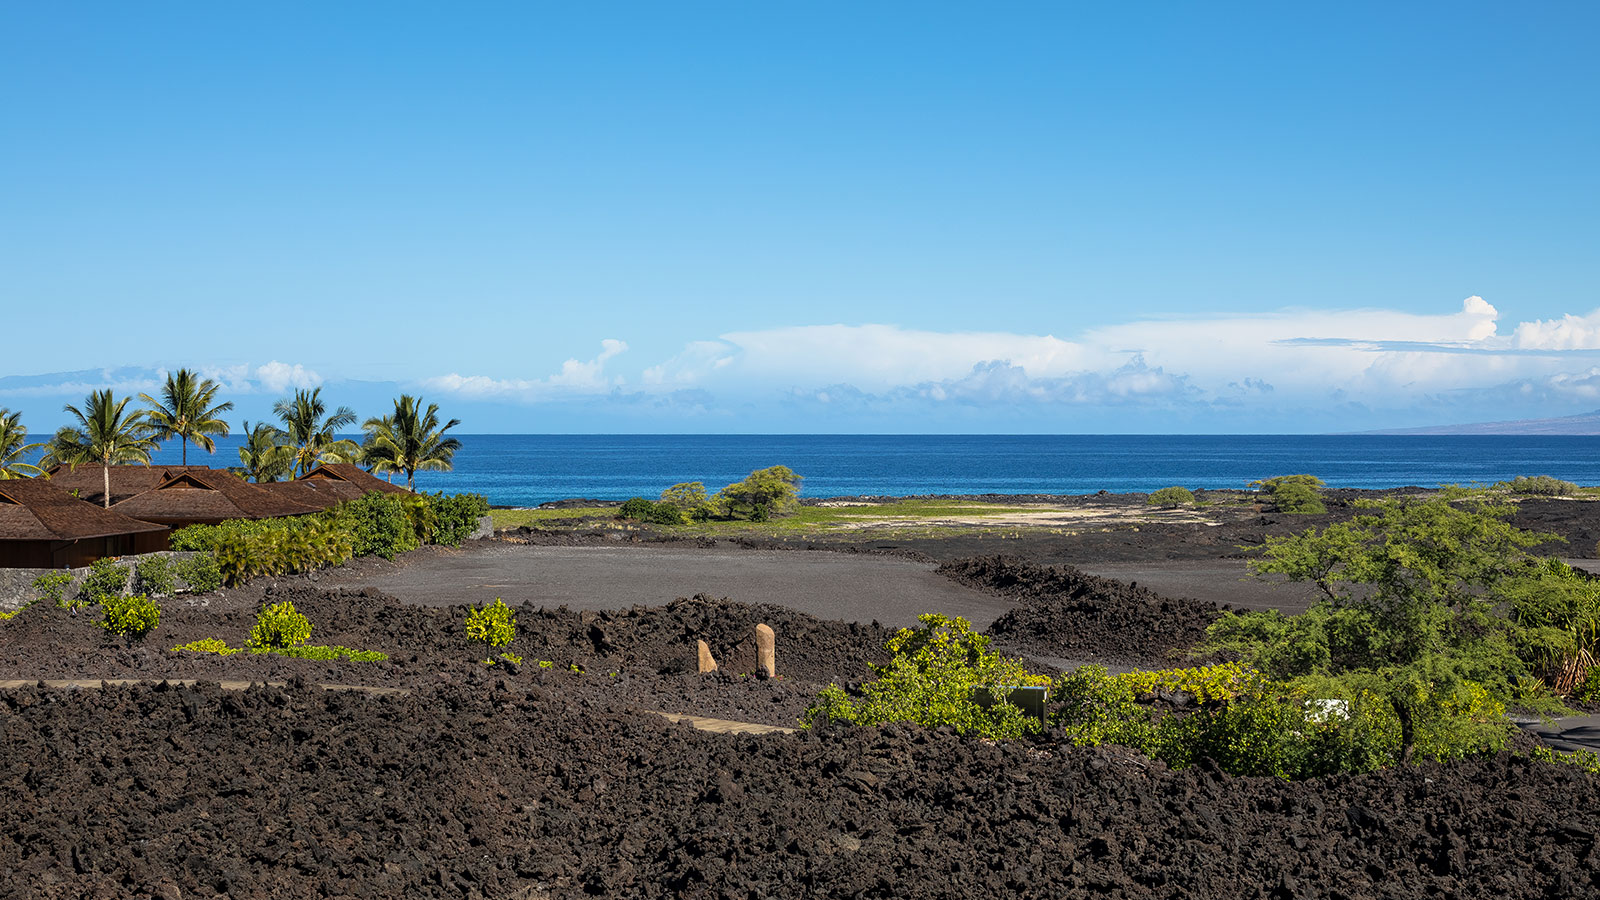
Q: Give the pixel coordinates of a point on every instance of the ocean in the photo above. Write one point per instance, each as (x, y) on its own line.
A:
(528, 469)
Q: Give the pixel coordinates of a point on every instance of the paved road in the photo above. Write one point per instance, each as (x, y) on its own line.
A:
(1217, 580)
(826, 585)
(1576, 733)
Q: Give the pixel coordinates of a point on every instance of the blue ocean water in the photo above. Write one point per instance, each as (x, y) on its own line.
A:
(527, 469)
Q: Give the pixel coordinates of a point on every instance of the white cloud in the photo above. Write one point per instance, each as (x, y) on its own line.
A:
(1569, 332)
(575, 377)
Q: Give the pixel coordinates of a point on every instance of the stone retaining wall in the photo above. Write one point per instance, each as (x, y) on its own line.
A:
(17, 590)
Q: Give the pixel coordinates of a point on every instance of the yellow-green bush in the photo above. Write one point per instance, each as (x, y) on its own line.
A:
(131, 617)
(279, 626)
(494, 625)
(932, 679)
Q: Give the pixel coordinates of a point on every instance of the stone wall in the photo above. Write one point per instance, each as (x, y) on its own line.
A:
(17, 590)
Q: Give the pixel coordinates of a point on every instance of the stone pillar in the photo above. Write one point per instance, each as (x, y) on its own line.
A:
(766, 659)
(707, 662)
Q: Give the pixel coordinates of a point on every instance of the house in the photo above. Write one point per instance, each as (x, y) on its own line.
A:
(198, 496)
(44, 527)
(329, 484)
(87, 481)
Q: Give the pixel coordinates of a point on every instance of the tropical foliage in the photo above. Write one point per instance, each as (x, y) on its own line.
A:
(410, 441)
(106, 433)
(188, 410)
(312, 431)
(264, 456)
(14, 447)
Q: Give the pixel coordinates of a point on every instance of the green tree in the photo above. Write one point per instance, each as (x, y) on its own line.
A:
(188, 411)
(1412, 610)
(313, 431)
(264, 456)
(763, 493)
(1293, 494)
(14, 447)
(410, 441)
(106, 433)
(371, 457)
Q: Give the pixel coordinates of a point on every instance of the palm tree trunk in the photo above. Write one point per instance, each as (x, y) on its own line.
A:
(185, 441)
(105, 470)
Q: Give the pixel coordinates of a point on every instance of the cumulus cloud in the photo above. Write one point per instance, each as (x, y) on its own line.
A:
(575, 377)
(1569, 332)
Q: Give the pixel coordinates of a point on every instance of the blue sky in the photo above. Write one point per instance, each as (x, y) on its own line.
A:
(819, 217)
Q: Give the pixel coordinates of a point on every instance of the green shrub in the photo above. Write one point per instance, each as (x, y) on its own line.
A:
(665, 514)
(200, 572)
(1172, 496)
(494, 625)
(1588, 690)
(309, 651)
(155, 575)
(1586, 760)
(52, 588)
(932, 679)
(635, 508)
(1293, 494)
(1540, 486)
(131, 617)
(287, 547)
(762, 495)
(105, 579)
(208, 645)
(457, 516)
(279, 626)
(383, 525)
(299, 651)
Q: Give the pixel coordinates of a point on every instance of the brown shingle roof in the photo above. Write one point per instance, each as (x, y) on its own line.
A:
(323, 493)
(209, 495)
(352, 474)
(33, 509)
(126, 481)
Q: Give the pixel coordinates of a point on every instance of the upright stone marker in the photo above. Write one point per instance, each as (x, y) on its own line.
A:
(707, 662)
(766, 656)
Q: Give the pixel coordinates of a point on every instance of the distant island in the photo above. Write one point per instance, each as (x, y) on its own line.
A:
(1580, 424)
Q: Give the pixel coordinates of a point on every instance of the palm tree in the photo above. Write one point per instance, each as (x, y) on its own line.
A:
(185, 411)
(410, 441)
(312, 437)
(105, 434)
(375, 460)
(263, 455)
(14, 447)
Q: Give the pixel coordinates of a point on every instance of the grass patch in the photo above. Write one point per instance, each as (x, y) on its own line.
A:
(516, 518)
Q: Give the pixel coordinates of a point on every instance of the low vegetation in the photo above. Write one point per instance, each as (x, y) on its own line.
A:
(1171, 497)
(1293, 494)
(52, 589)
(130, 617)
(495, 626)
(378, 524)
(939, 674)
(282, 630)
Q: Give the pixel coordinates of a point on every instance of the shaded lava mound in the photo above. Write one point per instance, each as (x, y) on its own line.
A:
(644, 656)
(289, 793)
(1072, 615)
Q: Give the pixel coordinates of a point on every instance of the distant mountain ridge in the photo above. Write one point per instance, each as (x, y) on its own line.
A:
(1581, 424)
